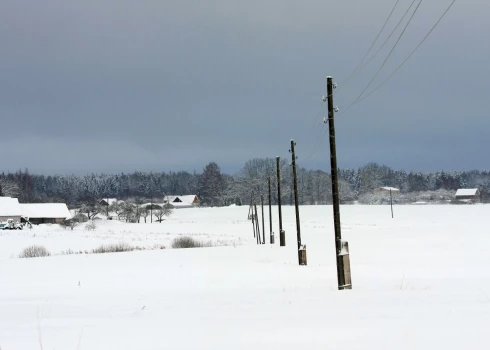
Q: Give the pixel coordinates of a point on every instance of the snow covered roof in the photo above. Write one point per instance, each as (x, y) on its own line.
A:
(181, 205)
(188, 199)
(467, 192)
(393, 189)
(45, 210)
(10, 207)
(109, 201)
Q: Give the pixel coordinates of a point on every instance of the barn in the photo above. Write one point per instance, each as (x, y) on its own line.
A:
(468, 195)
(187, 201)
(10, 209)
(45, 213)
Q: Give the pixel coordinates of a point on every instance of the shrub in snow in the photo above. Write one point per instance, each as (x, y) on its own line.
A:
(71, 252)
(71, 223)
(34, 251)
(91, 226)
(113, 248)
(187, 242)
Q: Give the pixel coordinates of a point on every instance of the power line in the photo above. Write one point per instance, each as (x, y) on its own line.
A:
(317, 143)
(389, 36)
(387, 57)
(319, 140)
(315, 121)
(410, 55)
(358, 68)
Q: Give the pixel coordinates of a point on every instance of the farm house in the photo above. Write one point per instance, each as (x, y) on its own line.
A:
(45, 213)
(10, 209)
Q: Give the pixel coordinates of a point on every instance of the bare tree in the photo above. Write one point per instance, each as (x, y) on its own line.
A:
(71, 223)
(165, 210)
(128, 210)
(118, 208)
(91, 208)
(9, 188)
(145, 212)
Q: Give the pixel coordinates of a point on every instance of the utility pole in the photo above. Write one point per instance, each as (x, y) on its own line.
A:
(282, 234)
(341, 247)
(391, 203)
(301, 249)
(251, 209)
(263, 225)
(257, 223)
(270, 213)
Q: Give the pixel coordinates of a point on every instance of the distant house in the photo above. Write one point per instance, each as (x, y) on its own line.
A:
(387, 189)
(107, 201)
(38, 213)
(10, 209)
(177, 202)
(468, 195)
(45, 213)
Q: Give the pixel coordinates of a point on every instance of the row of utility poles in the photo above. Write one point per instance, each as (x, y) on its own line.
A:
(341, 247)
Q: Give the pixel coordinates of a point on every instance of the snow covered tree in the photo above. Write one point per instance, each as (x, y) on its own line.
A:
(211, 185)
(91, 208)
(164, 210)
(8, 188)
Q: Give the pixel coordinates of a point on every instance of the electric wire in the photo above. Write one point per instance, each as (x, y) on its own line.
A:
(410, 55)
(318, 139)
(358, 68)
(387, 57)
(389, 36)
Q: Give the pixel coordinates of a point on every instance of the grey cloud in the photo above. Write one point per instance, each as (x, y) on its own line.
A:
(184, 83)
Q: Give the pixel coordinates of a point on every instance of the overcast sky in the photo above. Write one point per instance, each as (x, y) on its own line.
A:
(152, 85)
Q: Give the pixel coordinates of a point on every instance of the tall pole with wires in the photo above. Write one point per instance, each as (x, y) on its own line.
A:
(270, 212)
(341, 248)
(282, 233)
(301, 248)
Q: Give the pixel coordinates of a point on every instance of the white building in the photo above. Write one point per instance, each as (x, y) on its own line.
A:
(38, 213)
(45, 213)
(177, 202)
(10, 209)
(468, 195)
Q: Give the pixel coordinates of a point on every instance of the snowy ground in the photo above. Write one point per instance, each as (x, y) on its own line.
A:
(421, 281)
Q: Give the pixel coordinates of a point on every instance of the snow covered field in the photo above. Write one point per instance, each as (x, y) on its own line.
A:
(420, 281)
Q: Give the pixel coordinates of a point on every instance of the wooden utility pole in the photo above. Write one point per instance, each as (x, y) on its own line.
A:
(251, 207)
(341, 248)
(253, 225)
(391, 203)
(257, 224)
(282, 234)
(251, 212)
(301, 249)
(270, 213)
(263, 224)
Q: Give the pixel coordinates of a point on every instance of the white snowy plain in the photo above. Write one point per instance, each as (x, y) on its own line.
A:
(420, 281)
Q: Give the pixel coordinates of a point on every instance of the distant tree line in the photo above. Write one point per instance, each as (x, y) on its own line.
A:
(215, 188)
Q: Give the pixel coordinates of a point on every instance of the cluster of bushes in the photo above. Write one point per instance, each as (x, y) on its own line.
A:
(36, 251)
(430, 197)
(188, 242)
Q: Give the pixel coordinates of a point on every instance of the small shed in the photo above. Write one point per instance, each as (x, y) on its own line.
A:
(10, 209)
(45, 213)
(468, 195)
